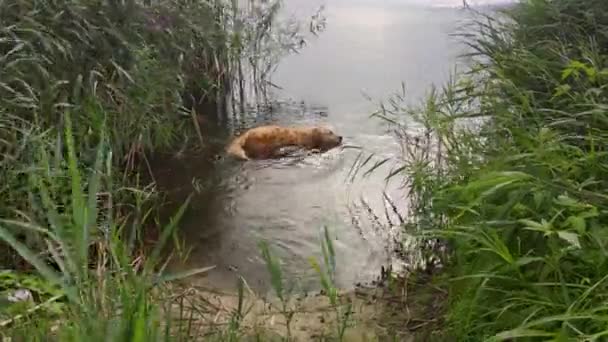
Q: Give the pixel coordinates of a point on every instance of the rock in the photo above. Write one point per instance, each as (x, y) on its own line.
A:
(21, 295)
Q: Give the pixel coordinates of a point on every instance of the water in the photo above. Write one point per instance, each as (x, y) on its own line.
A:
(369, 46)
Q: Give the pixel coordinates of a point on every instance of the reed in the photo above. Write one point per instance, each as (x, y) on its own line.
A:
(506, 166)
(88, 90)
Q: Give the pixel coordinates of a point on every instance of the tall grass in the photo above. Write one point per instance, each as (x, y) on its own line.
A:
(105, 292)
(108, 72)
(508, 167)
(88, 89)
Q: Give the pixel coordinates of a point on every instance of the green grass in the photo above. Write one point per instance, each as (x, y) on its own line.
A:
(101, 291)
(509, 170)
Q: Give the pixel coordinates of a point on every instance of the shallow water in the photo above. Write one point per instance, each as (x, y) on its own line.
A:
(369, 46)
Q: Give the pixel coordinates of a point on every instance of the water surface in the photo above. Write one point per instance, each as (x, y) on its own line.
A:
(369, 46)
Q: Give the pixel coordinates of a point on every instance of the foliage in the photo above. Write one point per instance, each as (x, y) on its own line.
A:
(87, 90)
(507, 164)
(107, 294)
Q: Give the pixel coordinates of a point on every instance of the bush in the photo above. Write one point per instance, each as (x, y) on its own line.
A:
(119, 60)
(514, 176)
(112, 65)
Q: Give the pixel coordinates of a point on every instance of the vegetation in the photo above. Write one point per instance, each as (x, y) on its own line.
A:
(97, 289)
(507, 166)
(88, 89)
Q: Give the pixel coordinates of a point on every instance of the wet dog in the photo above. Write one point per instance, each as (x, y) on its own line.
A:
(266, 142)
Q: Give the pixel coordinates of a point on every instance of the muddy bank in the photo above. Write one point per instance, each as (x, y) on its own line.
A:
(405, 310)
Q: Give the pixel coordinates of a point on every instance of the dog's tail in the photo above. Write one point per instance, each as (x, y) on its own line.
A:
(236, 150)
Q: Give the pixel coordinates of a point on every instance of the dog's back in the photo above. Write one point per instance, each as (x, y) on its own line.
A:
(265, 141)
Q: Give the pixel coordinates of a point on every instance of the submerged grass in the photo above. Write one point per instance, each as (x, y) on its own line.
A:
(507, 165)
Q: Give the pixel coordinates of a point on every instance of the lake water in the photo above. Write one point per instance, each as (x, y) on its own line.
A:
(369, 46)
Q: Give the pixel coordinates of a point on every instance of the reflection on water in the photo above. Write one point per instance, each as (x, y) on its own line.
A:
(368, 46)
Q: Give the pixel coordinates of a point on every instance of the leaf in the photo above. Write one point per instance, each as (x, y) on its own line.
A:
(73, 166)
(325, 282)
(274, 268)
(583, 298)
(395, 172)
(571, 238)
(329, 253)
(566, 73)
(527, 260)
(539, 198)
(492, 181)
(28, 226)
(561, 90)
(376, 166)
(182, 275)
(30, 257)
(568, 201)
(166, 233)
(578, 223)
(91, 207)
(592, 212)
(123, 72)
(79, 210)
(521, 332)
(591, 73)
(573, 68)
(536, 226)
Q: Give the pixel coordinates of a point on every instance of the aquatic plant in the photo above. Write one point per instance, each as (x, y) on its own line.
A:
(327, 278)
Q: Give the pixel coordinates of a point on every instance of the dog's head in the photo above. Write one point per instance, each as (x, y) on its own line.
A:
(324, 138)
